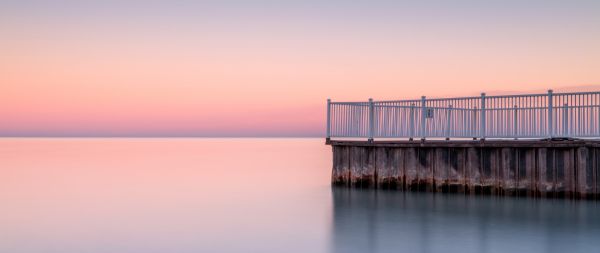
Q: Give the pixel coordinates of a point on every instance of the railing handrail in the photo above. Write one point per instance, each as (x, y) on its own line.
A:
(567, 114)
(488, 96)
(353, 102)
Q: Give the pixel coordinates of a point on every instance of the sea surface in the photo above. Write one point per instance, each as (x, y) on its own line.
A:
(171, 195)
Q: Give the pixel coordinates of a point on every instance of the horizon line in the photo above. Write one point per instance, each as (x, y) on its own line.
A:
(156, 136)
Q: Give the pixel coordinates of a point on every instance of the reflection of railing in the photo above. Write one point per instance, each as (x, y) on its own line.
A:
(513, 116)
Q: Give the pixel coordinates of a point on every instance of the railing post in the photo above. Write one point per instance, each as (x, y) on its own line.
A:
(371, 120)
(448, 114)
(482, 117)
(423, 111)
(328, 118)
(515, 125)
(412, 121)
(566, 120)
(550, 130)
(473, 124)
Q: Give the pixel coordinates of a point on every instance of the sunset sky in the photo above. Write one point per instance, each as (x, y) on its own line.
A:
(266, 68)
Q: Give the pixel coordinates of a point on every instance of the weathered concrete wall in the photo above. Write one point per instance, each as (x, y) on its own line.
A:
(523, 168)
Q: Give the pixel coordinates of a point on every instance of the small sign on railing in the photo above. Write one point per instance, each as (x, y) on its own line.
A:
(429, 113)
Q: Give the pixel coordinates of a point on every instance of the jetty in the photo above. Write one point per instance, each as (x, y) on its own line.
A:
(539, 145)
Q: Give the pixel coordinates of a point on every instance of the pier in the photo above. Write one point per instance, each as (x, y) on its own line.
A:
(545, 145)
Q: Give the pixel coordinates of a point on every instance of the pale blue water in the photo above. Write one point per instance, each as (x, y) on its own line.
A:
(250, 195)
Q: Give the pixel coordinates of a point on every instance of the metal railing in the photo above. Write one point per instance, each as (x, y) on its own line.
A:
(550, 115)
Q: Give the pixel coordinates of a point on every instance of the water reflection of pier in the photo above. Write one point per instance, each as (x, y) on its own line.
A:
(391, 221)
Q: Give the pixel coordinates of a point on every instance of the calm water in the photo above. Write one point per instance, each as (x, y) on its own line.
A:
(249, 195)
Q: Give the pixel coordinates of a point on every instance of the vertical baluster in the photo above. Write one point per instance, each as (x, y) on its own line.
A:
(578, 110)
(328, 133)
(371, 118)
(448, 114)
(550, 114)
(476, 121)
(344, 118)
(515, 123)
(412, 121)
(482, 116)
(423, 135)
(361, 121)
(354, 121)
(565, 120)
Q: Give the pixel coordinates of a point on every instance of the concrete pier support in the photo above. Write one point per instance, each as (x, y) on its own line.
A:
(545, 168)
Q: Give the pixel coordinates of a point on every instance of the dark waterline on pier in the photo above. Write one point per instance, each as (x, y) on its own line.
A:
(250, 195)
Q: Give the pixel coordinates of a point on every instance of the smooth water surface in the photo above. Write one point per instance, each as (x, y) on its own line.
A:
(249, 195)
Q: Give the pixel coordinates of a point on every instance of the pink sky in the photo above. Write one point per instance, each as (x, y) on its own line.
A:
(240, 69)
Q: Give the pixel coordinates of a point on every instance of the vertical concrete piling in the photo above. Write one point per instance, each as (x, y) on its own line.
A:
(546, 168)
